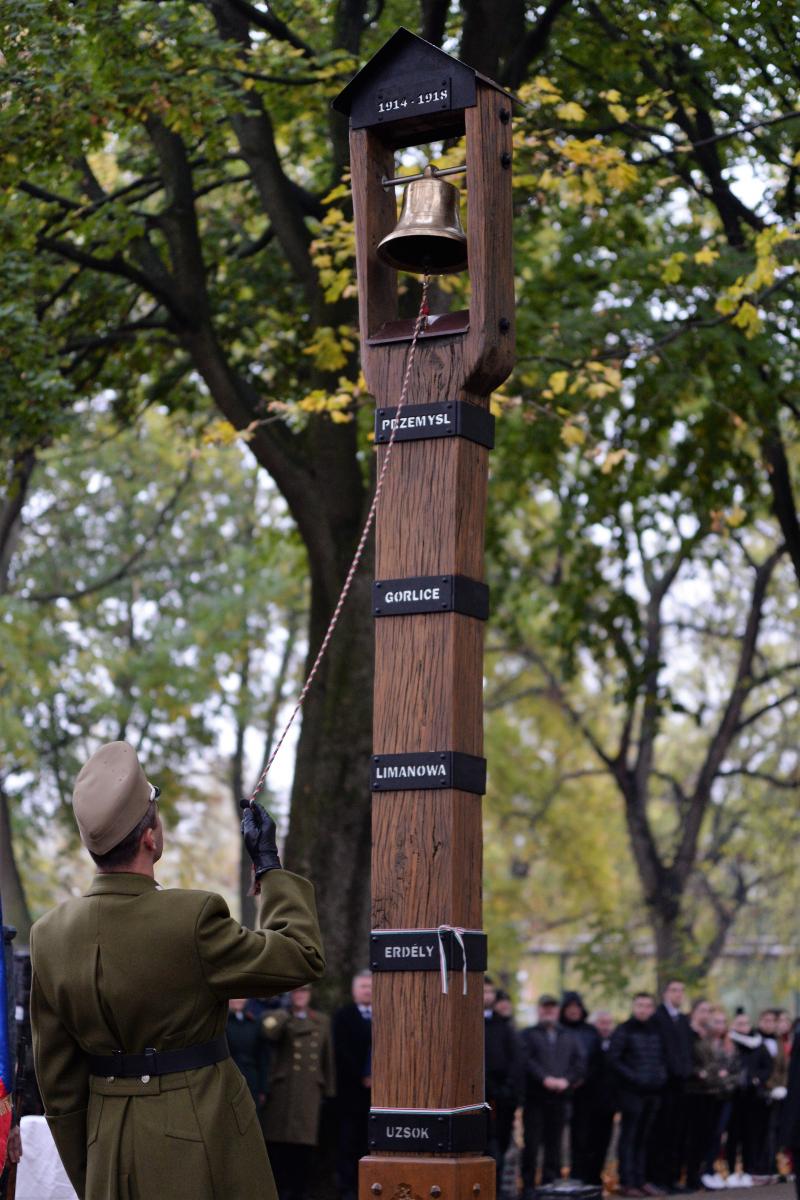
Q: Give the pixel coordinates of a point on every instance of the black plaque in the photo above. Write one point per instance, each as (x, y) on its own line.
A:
(412, 87)
(450, 418)
(410, 96)
(443, 1131)
(429, 771)
(429, 594)
(418, 950)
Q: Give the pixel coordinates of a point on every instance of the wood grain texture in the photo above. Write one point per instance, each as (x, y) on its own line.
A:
(427, 845)
(431, 531)
(407, 1177)
(489, 353)
(427, 860)
(428, 683)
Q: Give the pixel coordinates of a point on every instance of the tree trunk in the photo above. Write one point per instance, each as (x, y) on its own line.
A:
(15, 906)
(19, 478)
(247, 904)
(329, 837)
(674, 957)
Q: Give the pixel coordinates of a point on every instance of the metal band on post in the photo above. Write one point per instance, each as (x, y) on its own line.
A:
(423, 949)
(429, 594)
(429, 1130)
(451, 418)
(433, 769)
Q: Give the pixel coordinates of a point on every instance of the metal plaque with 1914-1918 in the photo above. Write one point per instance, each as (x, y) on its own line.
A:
(410, 96)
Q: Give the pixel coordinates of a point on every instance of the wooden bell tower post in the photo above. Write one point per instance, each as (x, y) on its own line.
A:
(427, 1127)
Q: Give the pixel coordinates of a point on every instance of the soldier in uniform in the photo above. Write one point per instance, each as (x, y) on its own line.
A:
(302, 1076)
(129, 1003)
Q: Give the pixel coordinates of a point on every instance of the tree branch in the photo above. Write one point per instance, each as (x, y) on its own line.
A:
(784, 504)
(729, 722)
(125, 567)
(269, 22)
(760, 712)
(558, 694)
(20, 474)
(763, 776)
(533, 44)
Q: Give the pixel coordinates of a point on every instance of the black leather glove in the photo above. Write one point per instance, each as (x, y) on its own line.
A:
(258, 830)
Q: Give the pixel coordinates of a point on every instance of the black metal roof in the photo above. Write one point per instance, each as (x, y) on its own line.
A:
(402, 50)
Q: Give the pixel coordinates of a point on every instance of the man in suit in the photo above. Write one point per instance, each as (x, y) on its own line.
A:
(666, 1152)
(601, 1102)
(129, 1001)
(352, 1046)
(553, 1064)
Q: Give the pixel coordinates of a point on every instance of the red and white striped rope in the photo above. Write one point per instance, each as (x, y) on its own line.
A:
(418, 327)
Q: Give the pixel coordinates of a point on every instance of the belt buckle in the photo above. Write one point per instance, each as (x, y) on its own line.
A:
(150, 1053)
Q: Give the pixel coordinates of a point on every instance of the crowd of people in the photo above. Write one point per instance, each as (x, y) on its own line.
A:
(699, 1098)
(682, 1101)
(294, 1059)
(663, 1102)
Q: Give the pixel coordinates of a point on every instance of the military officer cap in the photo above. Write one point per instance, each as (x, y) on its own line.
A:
(111, 796)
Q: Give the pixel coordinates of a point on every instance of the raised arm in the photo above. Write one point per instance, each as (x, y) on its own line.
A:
(283, 953)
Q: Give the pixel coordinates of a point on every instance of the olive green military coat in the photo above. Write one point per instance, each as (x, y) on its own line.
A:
(301, 1076)
(129, 966)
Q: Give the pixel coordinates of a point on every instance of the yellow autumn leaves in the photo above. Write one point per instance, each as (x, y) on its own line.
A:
(739, 301)
(585, 169)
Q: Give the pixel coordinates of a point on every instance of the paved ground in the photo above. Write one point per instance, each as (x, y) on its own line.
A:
(772, 1191)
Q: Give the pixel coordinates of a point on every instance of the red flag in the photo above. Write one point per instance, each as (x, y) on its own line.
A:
(6, 1059)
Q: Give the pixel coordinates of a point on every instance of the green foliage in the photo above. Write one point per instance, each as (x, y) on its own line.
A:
(154, 576)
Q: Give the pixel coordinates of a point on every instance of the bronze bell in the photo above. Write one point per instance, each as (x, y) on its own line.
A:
(429, 235)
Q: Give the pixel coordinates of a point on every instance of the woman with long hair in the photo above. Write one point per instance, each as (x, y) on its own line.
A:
(712, 1083)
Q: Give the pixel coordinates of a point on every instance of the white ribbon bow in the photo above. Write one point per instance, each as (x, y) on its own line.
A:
(457, 934)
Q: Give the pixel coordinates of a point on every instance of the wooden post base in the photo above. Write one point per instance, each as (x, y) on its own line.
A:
(397, 1177)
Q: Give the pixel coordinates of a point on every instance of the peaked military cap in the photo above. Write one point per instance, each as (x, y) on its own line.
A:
(111, 796)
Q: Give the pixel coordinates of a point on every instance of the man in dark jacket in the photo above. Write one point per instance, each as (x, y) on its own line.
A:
(789, 1132)
(601, 1101)
(248, 1048)
(573, 1016)
(553, 1064)
(637, 1057)
(502, 1074)
(352, 1048)
(666, 1152)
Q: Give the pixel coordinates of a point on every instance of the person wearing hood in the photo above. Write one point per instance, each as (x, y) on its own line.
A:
(574, 1017)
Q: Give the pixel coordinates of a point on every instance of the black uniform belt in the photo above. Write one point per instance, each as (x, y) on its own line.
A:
(159, 1062)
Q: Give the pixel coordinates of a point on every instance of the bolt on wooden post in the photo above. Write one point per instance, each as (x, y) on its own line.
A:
(427, 1127)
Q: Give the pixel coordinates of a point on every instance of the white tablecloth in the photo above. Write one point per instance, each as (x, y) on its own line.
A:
(40, 1175)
